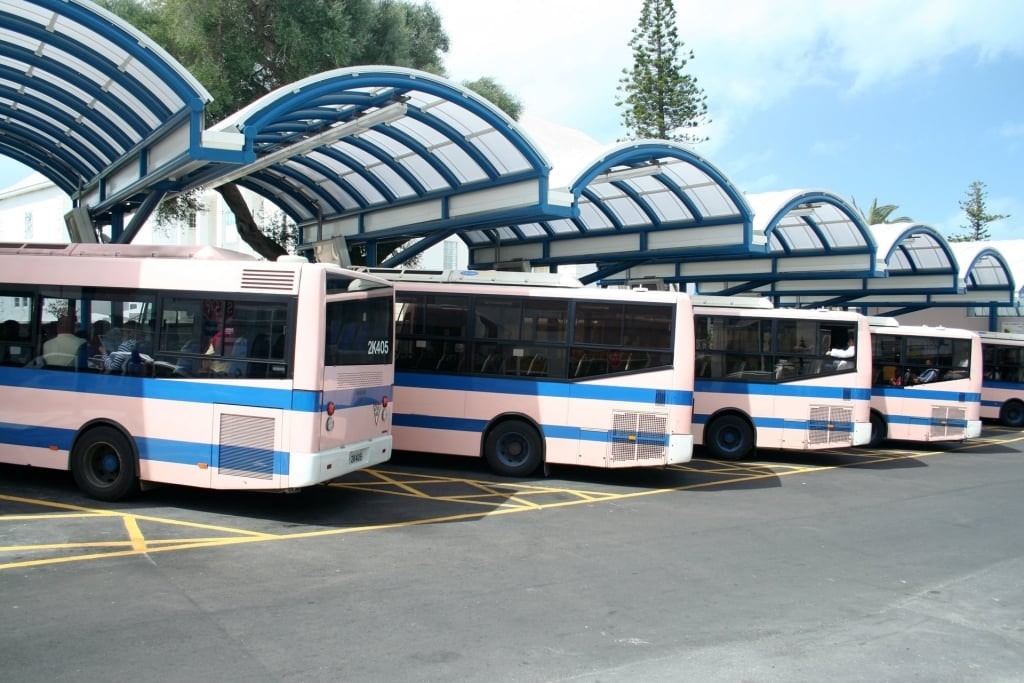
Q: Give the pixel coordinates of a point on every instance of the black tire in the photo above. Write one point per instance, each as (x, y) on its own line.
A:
(514, 449)
(1012, 414)
(103, 465)
(729, 437)
(879, 430)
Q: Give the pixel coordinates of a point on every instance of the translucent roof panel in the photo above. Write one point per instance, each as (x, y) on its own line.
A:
(988, 271)
(378, 137)
(81, 90)
(653, 187)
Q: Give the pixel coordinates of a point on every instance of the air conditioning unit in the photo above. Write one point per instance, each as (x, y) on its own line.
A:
(332, 250)
(519, 265)
(79, 224)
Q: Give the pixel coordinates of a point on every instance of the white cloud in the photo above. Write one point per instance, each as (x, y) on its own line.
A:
(563, 58)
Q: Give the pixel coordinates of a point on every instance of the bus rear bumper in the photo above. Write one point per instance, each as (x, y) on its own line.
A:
(973, 429)
(680, 449)
(316, 468)
(861, 433)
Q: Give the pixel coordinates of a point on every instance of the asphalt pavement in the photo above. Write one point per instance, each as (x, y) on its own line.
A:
(894, 564)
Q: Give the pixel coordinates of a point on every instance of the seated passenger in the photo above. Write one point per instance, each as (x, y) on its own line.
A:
(848, 353)
(63, 349)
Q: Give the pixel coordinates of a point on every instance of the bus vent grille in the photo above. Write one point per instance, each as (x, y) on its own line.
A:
(638, 437)
(830, 425)
(948, 421)
(358, 378)
(246, 446)
(279, 280)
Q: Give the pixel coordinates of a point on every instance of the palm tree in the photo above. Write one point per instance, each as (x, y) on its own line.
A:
(880, 214)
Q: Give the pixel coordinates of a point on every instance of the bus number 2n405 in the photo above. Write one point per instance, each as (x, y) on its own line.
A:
(377, 347)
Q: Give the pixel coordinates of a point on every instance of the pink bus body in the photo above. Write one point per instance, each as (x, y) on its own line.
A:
(763, 379)
(200, 367)
(523, 374)
(1002, 387)
(926, 383)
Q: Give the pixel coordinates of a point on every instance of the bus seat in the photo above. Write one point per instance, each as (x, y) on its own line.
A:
(449, 361)
(260, 349)
(637, 361)
(240, 349)
(538, 366)
(490, 363)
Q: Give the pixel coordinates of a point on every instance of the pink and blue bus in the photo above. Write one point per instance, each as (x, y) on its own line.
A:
(528, 370)
(766, 379)
(1002, 388)
(926, 383)
(132, 365)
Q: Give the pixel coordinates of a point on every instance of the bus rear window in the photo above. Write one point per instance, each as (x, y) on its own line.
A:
(359, 332)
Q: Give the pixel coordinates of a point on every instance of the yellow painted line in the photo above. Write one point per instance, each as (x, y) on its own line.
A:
(54, 504)
(49, 515)
(104, 544)
(508, 498)
(253, 537)
(131, 525)
(394, 482)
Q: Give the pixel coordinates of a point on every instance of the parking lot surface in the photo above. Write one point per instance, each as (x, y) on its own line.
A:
(899, 563)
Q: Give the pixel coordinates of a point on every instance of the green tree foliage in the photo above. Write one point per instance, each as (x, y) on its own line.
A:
(242, 49)
(978, 216)
(878, 214)
(492, 91)
(661, 101)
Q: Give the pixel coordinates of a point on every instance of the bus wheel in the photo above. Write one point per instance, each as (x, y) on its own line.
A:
(513, 449)
(1012, 414)
(878, 430)
(103, 464)
(729, 437)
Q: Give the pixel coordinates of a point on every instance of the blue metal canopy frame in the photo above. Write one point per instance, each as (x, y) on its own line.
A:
(637, 202)
(90, 102)
(377, 153)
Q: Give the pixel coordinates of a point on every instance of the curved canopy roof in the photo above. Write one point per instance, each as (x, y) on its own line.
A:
(86, 99)
(984, 272)
(810, 234)
(638, 201)
(923, 271)
(378, 152)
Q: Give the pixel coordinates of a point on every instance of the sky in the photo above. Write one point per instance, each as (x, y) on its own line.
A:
(903, 101)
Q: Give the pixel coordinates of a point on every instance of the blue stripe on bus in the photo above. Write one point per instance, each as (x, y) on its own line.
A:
(992, 404)
(185, 391)
(527, 387)
(782, 389)
(788, 423)
(926, 394)
(155, 450)
(35, 436)
(472, 426)
(925, 421)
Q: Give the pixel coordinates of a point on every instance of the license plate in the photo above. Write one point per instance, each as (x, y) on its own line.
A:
(355, 457)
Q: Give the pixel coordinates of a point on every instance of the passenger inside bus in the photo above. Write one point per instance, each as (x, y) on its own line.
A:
(845, 355)
(66, 348)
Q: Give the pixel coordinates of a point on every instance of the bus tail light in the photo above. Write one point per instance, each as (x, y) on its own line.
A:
(384, 402)
(330, 408)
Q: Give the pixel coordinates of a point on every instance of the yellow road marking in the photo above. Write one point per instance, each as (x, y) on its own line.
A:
(140, 545)
(134, 533)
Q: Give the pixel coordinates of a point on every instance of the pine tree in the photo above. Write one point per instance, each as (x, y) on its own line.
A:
(660, 100)
(978, 217)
